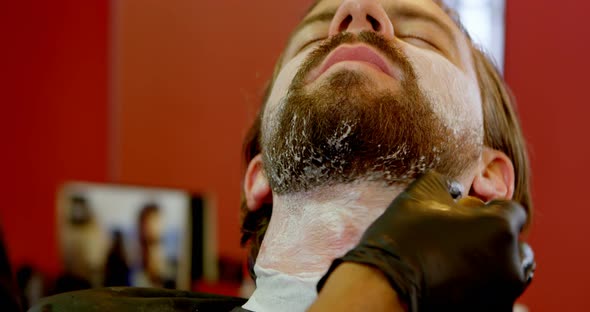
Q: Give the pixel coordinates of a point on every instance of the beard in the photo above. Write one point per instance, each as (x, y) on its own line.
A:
(344, 131)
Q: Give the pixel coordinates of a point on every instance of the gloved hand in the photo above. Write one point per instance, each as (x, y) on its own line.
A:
(442, 255)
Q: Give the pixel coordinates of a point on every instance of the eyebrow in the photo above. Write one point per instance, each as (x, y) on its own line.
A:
(413, 12)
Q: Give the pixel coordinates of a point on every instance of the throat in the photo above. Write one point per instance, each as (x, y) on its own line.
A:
(309, 230)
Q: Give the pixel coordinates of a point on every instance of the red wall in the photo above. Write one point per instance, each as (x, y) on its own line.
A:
(547, 65)
(189, 79)
(187, 82)
(54, 115)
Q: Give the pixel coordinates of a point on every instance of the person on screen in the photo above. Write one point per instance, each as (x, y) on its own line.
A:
(117, 269)
(154, 270)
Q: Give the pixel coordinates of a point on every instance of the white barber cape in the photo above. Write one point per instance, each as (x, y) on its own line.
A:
(276, 291)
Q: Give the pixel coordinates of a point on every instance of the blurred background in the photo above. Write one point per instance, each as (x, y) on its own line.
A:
(159, 94)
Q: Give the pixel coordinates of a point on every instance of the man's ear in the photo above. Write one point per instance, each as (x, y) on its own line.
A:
(256, 185)
(495, 177)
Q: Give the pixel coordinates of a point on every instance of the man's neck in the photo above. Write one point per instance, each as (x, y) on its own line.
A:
(308, 230)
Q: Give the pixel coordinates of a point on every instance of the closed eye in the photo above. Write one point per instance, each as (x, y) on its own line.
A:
(419, 42)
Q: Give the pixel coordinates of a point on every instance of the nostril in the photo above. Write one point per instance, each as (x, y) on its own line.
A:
(374, 23)
(345, 23)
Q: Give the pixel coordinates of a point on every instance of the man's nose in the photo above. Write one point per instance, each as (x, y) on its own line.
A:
(361, 15)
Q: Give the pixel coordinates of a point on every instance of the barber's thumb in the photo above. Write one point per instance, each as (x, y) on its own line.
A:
(431, 186)
(512, 212)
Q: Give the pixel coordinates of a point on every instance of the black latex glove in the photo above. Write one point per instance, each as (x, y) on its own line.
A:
(440, 255)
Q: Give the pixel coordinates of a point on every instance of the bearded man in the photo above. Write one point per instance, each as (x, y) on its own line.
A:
(386, 170)
(367, 96)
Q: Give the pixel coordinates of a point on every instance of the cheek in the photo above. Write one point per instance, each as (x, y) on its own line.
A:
(281, 85)
(454, 94)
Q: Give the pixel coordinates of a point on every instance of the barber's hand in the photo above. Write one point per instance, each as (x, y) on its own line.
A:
(440, 255)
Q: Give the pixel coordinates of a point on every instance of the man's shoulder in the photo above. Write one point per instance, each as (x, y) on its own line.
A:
(121, 299)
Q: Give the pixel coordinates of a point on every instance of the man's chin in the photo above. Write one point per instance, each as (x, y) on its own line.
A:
(351, 81)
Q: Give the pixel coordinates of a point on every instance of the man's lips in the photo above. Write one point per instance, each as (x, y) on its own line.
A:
(356, 53)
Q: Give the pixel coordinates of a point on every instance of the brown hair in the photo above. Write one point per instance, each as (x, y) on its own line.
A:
(501, 132)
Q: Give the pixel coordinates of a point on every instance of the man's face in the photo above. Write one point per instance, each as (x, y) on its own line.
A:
(374, 89)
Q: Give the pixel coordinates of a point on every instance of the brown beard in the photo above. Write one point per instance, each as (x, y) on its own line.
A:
(343, 131)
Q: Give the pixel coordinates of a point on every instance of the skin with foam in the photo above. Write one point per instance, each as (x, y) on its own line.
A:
(308, 230)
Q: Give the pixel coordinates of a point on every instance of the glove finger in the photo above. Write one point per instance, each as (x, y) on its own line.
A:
(511, 211)
(431, 186)
(528, 263)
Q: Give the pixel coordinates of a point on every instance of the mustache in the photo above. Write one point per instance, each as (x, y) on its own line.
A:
(388, 48)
